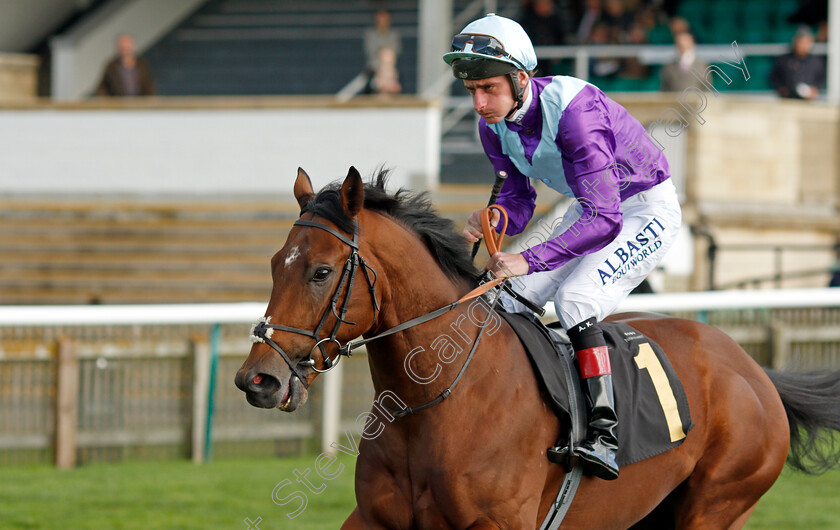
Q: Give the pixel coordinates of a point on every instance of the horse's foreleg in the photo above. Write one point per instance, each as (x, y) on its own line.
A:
(354, 522)
(742, 519)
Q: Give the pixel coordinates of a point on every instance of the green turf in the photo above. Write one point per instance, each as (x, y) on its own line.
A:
(799, 501)
(221, 494)
(176, 494)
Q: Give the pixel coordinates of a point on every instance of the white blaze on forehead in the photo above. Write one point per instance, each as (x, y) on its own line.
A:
(293, 255)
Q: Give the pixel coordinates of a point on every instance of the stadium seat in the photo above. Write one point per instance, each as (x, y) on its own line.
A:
(759, 68)
(783, 33)
(756, 14)
(660, 34)
(756, 34)
(782, 10)
(694, 11)
(724, 14)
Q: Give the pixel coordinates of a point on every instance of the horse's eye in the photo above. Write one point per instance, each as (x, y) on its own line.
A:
(321, 274)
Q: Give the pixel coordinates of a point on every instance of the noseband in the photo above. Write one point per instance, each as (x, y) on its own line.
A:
(263, 329)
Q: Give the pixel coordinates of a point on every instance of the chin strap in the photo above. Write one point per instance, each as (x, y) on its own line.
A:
(517, 92)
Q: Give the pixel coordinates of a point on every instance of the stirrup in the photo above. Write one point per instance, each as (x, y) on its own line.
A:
(562, 455)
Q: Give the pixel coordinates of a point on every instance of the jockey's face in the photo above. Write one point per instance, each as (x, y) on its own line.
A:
(493, 97)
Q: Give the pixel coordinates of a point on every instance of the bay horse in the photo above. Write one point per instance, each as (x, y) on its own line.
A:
(477, 459)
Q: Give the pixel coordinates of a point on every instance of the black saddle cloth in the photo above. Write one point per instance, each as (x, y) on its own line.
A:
(651, 404)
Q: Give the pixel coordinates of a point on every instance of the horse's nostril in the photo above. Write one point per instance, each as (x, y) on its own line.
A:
(264, 384)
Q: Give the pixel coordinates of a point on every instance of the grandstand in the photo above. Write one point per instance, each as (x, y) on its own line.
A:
(122, 248)
(123, 251)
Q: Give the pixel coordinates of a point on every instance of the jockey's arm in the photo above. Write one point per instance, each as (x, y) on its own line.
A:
(517, 196)
(588, 162)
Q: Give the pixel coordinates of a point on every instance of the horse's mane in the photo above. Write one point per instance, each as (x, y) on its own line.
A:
(415, 211)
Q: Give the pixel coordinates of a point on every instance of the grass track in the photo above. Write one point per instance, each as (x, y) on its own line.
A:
(221, 494)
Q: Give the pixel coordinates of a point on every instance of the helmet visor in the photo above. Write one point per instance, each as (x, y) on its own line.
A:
(475, 68)
(483, 45)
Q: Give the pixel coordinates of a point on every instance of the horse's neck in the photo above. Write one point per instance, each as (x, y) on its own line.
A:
(407, 361)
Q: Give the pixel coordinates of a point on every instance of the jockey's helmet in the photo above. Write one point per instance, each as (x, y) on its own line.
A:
(489, 47)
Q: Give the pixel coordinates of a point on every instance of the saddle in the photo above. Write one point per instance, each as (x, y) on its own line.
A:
(651, 404)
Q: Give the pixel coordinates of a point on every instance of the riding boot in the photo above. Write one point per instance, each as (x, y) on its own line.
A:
(598, 451)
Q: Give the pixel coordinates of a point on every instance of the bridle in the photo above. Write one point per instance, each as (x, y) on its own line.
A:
(263, 329)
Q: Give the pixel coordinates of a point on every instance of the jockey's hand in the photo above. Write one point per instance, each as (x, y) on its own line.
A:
(507, 265)
(472, 230)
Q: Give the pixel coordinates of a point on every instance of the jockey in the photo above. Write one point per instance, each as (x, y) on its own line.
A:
(625, 215)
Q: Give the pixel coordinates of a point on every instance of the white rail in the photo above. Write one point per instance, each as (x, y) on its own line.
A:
(247, 312)
(98, 315)
(235, 313)
(734, 299)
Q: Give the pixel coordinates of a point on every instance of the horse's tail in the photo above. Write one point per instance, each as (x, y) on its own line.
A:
(812, 405)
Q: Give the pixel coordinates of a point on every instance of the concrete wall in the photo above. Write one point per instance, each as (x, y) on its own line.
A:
(758, 171)
(231, 147)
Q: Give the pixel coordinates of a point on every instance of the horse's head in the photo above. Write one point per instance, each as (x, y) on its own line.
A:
(314, 307)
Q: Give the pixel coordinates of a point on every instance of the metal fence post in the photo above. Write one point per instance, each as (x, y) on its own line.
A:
(211, 388)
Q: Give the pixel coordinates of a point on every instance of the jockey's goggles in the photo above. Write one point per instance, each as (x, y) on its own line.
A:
(483, 45)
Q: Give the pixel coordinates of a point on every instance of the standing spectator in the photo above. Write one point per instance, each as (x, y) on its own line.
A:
(677, 76)
(799, 75)
(380, 36)
(126, 75)
(679, 25)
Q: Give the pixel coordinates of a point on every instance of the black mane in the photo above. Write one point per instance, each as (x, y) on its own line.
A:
(415, 211)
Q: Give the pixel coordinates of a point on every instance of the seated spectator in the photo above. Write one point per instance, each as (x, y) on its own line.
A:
(677, 76)
(386, 78)
(799, 75)
(605, 66)
(589, 21)
(380, 36)
(126, 75)
(632, 67)
(617, 19)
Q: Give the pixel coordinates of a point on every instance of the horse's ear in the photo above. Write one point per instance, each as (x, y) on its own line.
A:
(303, 188)
(352, 193)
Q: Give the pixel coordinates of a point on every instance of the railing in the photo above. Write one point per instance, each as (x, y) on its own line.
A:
(457, 108)
(169, 356)
(659, 53)
(714, 249)
(95, 382)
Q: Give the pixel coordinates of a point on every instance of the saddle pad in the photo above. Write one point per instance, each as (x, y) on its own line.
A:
(651, 404)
